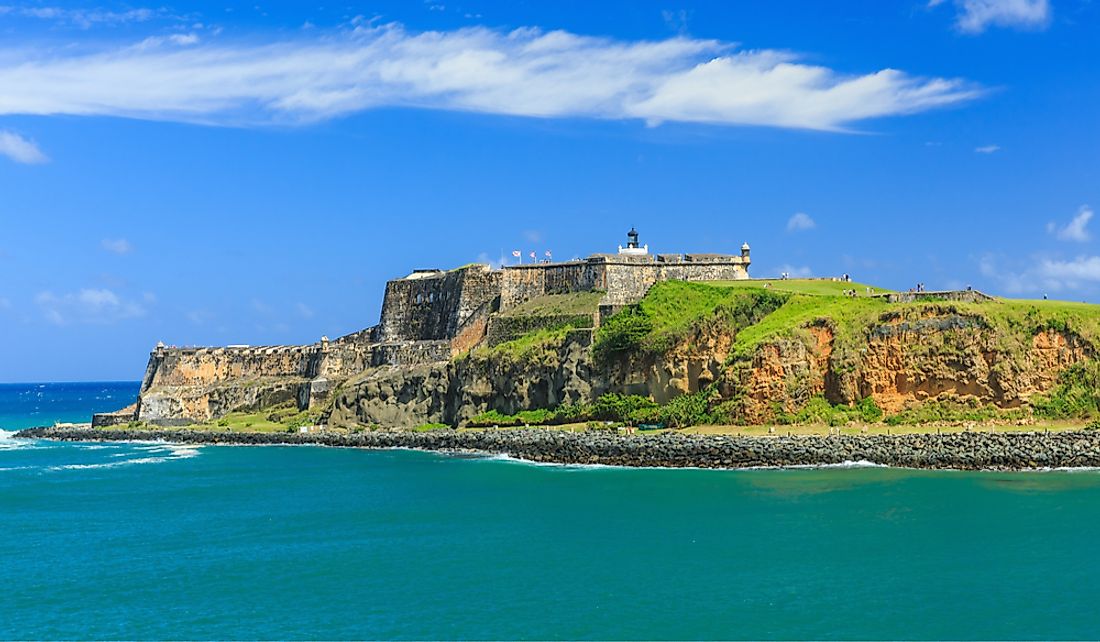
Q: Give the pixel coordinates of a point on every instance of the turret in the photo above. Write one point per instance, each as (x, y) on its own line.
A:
(745, 252)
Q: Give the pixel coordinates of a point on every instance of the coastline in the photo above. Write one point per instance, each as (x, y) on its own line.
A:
(960, 451)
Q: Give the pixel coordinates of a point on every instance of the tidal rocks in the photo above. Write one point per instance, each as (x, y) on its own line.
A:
(967, 451)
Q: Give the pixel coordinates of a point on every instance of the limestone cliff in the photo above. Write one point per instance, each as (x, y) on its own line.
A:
(749, 353)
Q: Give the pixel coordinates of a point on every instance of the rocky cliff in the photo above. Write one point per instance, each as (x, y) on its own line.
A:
(741, 353)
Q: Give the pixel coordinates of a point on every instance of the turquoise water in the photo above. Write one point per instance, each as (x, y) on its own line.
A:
(162, 541)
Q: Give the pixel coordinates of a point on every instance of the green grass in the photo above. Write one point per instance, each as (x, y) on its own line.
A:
(575, 303)
(538, 345)
(816, 287)
(673, 309)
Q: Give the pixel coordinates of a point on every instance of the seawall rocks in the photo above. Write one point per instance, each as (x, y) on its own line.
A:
(966, 451)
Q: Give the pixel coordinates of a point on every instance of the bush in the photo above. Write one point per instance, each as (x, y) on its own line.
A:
(626, 408)
(687, 410)
(869, 412)
(622, 332)
(950, 412)
(1077, 394)
(431, 426)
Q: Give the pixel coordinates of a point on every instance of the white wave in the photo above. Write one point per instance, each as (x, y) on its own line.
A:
(98, 447)
(862, 463)
(113, 464)
(9, 442)
(172, 452)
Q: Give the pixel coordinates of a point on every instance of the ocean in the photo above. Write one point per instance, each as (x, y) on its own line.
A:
(153, 540)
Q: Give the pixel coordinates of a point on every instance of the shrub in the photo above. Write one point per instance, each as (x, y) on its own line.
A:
(622, 332)
(1076, 395)
(431, 426)
(687, 410)
(869, 412)
(626, 408)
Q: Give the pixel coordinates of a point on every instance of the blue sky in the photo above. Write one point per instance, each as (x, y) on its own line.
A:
(252, 173)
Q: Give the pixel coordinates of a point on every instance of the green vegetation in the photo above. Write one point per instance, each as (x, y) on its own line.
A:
(1077, 394)
(539, 345)
(286, 418)
(813, 287)
(685, 410)
(950, 412)
(819, 411)
(575, 303)
(431, 427)
(799, 311)
(673, 309)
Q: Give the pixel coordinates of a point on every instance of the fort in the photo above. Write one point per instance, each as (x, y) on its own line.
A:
(427, 317)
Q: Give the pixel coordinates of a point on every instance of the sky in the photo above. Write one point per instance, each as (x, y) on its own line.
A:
(211, 174)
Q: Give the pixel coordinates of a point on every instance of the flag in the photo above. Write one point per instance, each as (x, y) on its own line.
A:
(532, 255)
(548, 255)
(517, 253)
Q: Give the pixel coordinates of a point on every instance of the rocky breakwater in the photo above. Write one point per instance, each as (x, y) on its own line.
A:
(967, 451)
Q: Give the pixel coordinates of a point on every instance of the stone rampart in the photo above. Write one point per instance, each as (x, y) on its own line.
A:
(521, 283)
(506, 328)
(199, 366)
(433, 306)
(411, 353)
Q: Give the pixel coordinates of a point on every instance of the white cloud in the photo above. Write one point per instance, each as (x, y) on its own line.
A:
(89, 305)
(117, 246)
(794, 272)
(1046, 274)
(800, 222)
(304, 310)
(20, 149)
(975, 16)
(526, 72)
(83, 18)
(1077, 229)
(987, 149)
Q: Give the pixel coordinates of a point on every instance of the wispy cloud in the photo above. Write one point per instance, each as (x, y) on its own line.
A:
(117, 246)
(975, 16)
(1046, 274)
(526, 72)
(304, 310)
(1077, 229)
(794, 272)
(19, 149)
(987, 149)
(89, 305)
(800, 222)
(83, 18)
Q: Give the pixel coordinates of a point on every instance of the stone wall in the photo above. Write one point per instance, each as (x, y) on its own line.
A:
(433, 306)
(506, 328)
(521, 283)
(200, 366)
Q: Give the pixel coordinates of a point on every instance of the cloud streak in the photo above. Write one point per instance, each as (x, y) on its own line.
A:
(526, 72)
(19, 149)
(975, 16)
(89, 305)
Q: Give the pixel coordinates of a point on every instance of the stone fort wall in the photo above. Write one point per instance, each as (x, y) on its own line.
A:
(433, 305)
(426, 318)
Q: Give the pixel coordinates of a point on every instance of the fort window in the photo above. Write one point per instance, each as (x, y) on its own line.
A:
(419, 298)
